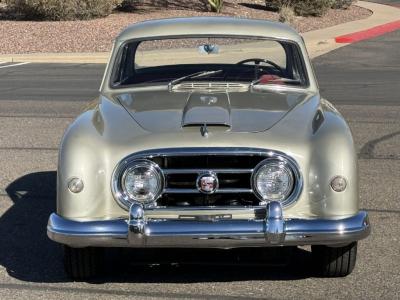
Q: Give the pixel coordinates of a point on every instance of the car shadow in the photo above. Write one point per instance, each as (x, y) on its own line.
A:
(27, 254)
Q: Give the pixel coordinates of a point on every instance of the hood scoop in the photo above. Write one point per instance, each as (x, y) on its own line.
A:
(207, 109)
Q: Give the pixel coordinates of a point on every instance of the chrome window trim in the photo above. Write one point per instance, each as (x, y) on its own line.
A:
(212, 151)
(113, 85)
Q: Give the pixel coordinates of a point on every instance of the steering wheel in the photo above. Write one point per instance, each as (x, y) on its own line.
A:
(257, 61)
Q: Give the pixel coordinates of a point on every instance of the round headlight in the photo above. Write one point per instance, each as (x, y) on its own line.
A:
(142, 181)
(273, 180)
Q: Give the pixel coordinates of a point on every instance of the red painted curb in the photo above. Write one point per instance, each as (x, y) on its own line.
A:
(369, 33)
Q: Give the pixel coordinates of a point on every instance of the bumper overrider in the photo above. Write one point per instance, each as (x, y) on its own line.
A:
(208, 232)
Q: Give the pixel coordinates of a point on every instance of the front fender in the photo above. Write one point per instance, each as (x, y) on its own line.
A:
(87, 151)
(332, 154)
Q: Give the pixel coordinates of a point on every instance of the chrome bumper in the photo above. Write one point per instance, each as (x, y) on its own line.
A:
(273, 230)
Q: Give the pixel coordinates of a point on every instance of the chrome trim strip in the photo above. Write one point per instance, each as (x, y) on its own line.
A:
(273, 230)
(178, 210)
(196, 191)
(199, 171)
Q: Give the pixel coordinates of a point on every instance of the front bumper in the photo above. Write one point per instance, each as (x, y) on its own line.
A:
(211, 232)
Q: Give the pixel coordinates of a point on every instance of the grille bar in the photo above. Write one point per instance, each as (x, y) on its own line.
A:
(199, 171)
(195, 191)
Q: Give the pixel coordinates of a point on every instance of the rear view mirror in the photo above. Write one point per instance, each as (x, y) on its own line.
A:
(208, 49)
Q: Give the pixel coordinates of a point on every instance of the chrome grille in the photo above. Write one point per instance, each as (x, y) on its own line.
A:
(181, 168)
(233, 169)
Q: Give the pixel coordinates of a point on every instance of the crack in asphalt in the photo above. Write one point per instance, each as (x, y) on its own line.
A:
(367, 150)
(390, 211)
(47, 288)
(29, 148)
(40, 116)
(372, 122)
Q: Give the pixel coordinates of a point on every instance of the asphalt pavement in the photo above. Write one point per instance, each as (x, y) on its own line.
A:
(387, 2)
(38, 101)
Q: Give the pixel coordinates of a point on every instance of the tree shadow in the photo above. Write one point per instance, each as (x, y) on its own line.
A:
(262, 7)
(144, 6)
(28, 254)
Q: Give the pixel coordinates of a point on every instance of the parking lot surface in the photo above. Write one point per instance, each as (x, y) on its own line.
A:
(38, 101)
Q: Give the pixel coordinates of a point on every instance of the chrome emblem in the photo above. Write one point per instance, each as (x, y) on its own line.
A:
(207, 183)
(209, 100)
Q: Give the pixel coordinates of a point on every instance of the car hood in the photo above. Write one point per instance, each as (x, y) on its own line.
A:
(249, 111)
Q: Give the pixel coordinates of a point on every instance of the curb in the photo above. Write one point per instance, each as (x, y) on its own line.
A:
(369, 33)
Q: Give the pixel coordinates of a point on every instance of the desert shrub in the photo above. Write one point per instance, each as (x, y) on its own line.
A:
(216, 5)
(197, 5)
(62, 10)
(313, 7)
(286, 14)
(127, 5)
(342, 4)
(302, 7)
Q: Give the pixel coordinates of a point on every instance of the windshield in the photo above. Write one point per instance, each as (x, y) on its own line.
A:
(246, 60)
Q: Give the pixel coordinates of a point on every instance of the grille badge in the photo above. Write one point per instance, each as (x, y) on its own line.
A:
(207, 183)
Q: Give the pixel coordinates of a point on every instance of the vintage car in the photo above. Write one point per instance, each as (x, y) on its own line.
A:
(209, 132)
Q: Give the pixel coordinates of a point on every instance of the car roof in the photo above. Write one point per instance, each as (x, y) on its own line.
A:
(223, 26)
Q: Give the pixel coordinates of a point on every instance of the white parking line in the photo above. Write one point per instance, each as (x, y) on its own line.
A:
(14, 65)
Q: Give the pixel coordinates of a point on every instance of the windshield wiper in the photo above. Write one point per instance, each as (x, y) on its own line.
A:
(194, 75)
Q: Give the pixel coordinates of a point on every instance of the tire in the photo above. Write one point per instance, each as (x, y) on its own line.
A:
(334, 261)
(83, 263)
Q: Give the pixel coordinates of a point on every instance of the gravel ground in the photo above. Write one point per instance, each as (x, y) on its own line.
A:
(97, 35)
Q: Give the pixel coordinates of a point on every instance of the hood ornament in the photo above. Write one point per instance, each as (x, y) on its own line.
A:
(209, 100)
(204, 130)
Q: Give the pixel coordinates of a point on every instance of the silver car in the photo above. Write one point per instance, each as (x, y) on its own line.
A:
(208, 133)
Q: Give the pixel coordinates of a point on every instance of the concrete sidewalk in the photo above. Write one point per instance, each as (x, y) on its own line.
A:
(318, 41)
(323, 40)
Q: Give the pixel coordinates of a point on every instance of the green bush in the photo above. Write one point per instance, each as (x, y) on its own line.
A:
(342, 4)
(56, 10)
(302, 7)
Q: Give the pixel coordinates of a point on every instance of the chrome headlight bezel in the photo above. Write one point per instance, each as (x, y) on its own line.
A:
(123, 197)
(293, 170)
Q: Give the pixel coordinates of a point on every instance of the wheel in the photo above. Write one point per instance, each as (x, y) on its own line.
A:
(83, 263)
(334, 261)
